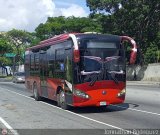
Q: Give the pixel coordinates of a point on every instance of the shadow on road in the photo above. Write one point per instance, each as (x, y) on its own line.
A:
(110, 108)
(81, 110)
(107, 109)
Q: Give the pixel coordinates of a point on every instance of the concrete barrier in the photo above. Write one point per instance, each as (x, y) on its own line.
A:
(149, 72)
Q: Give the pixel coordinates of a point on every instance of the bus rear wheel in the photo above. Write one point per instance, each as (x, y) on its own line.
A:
(35, 92)
(62, 100)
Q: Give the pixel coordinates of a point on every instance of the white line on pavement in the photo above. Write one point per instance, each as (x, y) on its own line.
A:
(82, 115)
(106, 124)
(137, 110)
(14, 132)
(19, 94)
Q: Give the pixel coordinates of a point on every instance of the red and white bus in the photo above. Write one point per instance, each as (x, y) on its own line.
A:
(79, 69)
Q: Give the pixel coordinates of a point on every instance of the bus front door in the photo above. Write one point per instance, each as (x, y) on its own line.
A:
(43, 74)
(68, 75)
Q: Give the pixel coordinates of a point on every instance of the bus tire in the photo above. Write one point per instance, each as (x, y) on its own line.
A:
(62, 100)
(35, 92)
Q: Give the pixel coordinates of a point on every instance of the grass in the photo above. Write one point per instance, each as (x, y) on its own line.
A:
(6, 77)
(1, 76)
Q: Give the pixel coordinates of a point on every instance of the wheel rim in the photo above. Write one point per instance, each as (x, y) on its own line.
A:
(62, 97)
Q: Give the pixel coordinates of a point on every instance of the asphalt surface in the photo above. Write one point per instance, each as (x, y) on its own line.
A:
(23, 114)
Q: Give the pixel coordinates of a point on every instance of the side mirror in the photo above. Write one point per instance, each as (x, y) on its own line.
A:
(133, 54)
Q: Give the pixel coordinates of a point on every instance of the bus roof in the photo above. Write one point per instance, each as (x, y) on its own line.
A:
(63, 37)
(48, 42)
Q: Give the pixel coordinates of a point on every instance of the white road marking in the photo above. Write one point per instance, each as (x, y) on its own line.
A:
(106, 124)
(14, 132)
(82, 115)
(137, 110)
(19, 94)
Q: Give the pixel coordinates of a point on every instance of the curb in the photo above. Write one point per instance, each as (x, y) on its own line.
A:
(143, 83)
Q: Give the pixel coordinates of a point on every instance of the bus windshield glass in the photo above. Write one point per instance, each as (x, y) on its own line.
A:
(101, 59)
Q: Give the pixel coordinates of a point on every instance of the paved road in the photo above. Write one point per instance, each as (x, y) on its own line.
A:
(18, 109)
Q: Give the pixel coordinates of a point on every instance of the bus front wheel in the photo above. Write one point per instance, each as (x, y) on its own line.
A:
(62, 100)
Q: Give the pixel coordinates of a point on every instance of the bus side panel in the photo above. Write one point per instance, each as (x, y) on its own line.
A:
(53, 85)
(29, 83)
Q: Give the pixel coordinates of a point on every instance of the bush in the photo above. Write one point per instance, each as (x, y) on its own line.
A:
(151, 55)
(5, 61)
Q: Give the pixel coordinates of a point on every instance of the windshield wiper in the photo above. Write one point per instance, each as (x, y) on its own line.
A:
(93, 76)
(96, 77)
(93, 79)
(99, 75)
(113, 77)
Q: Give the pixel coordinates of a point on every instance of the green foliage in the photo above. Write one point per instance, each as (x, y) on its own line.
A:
(59, 25)
(20, 40)
(4, 45)
(152, 55)
(158, 56)
(102, 6)
(53, 26)
(137, 19)
(5, 61)
(34, 39)
(82, 25)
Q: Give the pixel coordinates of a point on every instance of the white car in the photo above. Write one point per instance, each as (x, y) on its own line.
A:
(18, 77)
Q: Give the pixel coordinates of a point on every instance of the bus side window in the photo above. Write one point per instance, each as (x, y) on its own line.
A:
(27, 64)
(32, 66)
(59, 63)
(51, 60)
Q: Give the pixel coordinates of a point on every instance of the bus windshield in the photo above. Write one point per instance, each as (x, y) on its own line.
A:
(101, 59)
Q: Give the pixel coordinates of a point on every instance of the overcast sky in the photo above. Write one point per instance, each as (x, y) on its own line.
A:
(28, 14)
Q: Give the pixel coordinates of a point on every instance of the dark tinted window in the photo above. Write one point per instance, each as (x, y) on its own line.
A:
(100, 58)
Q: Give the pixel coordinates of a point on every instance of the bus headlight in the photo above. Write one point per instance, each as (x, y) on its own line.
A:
(123, 92)
(80, 94)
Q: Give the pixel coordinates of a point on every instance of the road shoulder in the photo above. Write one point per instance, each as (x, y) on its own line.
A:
(143, 83)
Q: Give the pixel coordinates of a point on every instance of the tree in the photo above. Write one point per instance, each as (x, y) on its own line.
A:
(60, 25)
(138, 19)
(4, 45)
(76, 24)
(151, 54)
(104, 6)
(5, 61)
(34, 39)
(53, 26)
(19, 40)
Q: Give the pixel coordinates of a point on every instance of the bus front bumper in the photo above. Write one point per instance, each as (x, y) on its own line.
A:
(101, 101)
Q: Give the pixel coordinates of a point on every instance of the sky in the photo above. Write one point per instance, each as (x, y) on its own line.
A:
(28, 14)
